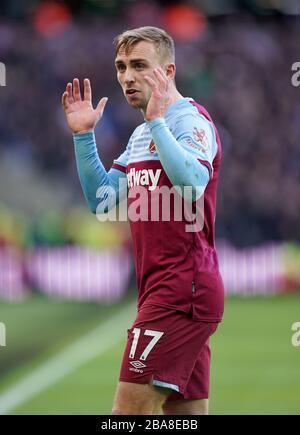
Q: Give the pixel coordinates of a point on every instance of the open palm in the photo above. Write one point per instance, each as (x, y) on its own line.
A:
(80, 114)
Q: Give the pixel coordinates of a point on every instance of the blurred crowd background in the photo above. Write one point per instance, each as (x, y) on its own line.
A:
(234, 57)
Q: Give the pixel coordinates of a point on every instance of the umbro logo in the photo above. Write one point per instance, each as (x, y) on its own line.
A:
(137, 364)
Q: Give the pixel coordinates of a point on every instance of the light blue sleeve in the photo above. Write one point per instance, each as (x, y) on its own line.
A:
(102, 190)
(197, 136)
(180, 160)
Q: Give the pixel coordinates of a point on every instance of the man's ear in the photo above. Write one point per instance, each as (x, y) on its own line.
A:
(171, 70)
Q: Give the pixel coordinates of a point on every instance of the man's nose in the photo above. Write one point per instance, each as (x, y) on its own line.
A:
(129, 76)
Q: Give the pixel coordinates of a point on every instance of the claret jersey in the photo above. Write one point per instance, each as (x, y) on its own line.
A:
(175, 268)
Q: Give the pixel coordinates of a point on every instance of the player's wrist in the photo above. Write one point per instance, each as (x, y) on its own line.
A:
(84, 138)
(156, 123)
(156, 119)
(152, 118)
(91, 130)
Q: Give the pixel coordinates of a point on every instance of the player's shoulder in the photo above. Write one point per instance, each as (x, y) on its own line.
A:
(180, 107)
(192, 124)
(187, 112)
(188, 108)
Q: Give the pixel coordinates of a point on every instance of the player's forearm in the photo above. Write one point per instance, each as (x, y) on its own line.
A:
(182, 168)
(101, 189)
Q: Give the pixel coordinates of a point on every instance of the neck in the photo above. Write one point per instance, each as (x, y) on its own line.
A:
(175, 96)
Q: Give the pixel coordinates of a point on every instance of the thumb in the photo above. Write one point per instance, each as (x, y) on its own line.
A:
(100, 106)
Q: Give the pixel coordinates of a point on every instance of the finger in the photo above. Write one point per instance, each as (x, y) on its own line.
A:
(152, 83)
(164, 75)
(87, 90)
(76, 90)
(162, 78)
(100, 106)
(69, 91)
(161, 81)
(64, 100)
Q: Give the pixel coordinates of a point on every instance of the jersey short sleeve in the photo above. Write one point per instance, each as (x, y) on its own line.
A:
(197, 136)
(121, 162)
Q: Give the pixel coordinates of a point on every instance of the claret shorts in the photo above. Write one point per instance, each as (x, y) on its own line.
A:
(169, 349)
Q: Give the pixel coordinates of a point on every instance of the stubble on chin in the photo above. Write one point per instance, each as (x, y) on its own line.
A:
(137, 104)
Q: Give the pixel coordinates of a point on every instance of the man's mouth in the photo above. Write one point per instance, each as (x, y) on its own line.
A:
(131, 92)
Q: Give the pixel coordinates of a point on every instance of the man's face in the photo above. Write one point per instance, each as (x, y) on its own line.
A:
(131, 70)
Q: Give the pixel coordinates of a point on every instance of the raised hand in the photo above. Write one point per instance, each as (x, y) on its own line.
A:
(80, 114)
(160, 97)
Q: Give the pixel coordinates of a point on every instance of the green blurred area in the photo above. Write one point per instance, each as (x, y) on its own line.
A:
(72, 226)
(41, 326)
(255, 368)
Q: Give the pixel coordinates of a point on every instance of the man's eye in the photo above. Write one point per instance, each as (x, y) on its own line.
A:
(121, 68)
(140, 66)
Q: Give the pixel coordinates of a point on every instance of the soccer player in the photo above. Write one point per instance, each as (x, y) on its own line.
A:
(166, 363)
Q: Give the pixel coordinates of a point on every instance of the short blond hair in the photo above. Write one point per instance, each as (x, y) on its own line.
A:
(162, 41)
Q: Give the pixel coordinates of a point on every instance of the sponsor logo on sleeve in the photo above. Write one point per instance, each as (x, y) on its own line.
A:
(201, 138)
